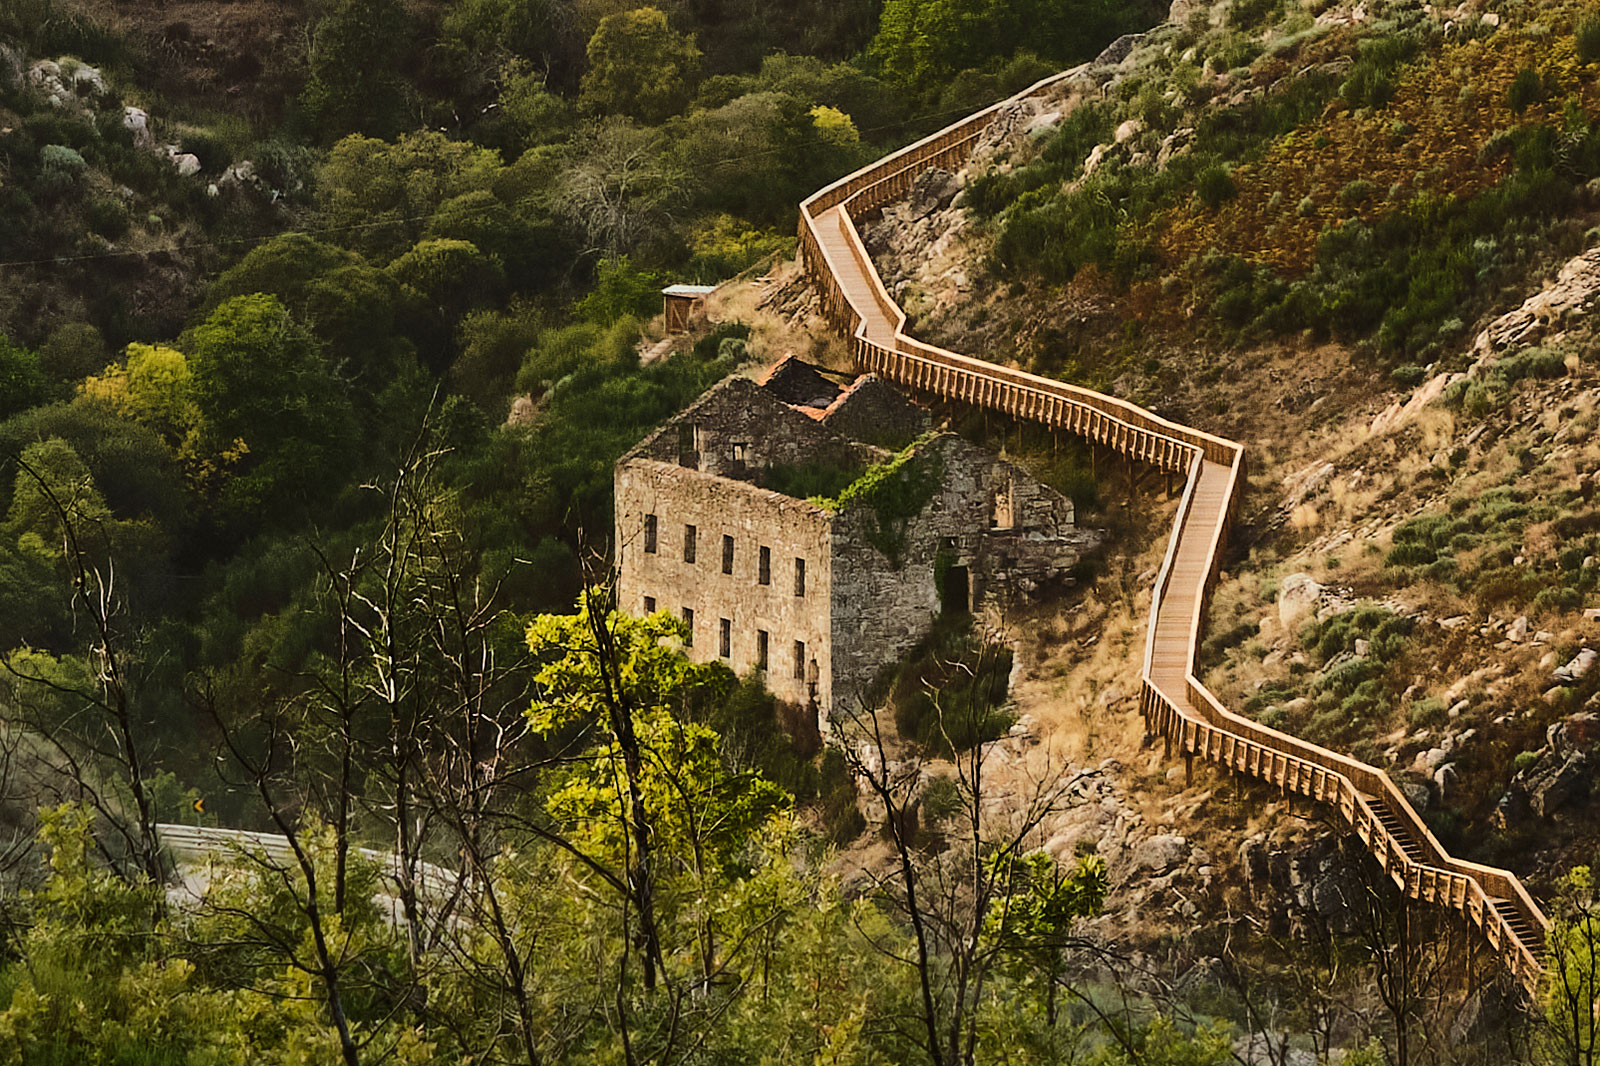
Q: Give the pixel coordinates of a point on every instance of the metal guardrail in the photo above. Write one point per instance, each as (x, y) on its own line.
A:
(1174, 702)
(206, 842)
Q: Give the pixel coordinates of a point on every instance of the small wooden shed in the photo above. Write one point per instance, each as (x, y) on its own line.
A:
(680, 302)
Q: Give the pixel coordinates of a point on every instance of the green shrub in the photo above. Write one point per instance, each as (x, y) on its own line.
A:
(1527, 89)
(1248, 14)
(1079, 132)
(1410, 554)
(940, 799)
(1237, 50)
(620, 290)
(1587, 37)
(1531, 363)
(1368, 86)
(1524, 761)
(1214, 186)
(1428, 712)
(894, 492)
(107, 217)
(1384, 630)
(1506, 584)
(842, 820)
(60, 168)
(1478, 400)
(1407, 375)
(1213, 646)
(1357, 192)
(1557, 600)
(806, 480)
(949, 692)
(211, 150)
(710, 346)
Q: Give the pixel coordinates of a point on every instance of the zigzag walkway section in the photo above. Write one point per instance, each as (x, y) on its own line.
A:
(1176, 706)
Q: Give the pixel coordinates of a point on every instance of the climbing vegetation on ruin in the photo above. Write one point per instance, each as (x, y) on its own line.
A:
(894, 491)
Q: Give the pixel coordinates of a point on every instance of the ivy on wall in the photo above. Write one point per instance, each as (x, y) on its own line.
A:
(895, 491)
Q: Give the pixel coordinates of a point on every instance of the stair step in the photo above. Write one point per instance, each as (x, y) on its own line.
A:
(1520, 927)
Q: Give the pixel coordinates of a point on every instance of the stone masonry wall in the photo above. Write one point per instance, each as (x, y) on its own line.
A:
(873, 412)
(740, 412)
(880, 612)
(753, 517)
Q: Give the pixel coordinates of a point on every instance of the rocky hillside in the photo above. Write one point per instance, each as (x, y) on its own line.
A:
(1354, 238)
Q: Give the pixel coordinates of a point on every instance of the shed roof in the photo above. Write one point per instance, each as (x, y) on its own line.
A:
(688, 290)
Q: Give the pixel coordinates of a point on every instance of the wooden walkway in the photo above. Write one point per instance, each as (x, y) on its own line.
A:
(1175, 704)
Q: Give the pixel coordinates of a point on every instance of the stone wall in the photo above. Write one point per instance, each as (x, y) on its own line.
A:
(881, 611)
(754, 517)
(873, 412)
(737, 429)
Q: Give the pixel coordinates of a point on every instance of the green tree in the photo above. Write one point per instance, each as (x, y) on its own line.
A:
(270, 398)
(1160, 1042)
(451, 277)
(132, 467)
(55, 485)
(21, 378)
(1034, 923)
(521, 240)
(543, 34)
(103, 978)
(73, 351)
(759, 155)
(492, 345)
(532, 113)
(355, 59)
(1569, 1034)
(359, 312)
(640, 67)
(921, 43)
(378, 196)
(155, 388)
(620, 291)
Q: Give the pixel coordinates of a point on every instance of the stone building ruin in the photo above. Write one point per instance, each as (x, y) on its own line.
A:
(814, 531)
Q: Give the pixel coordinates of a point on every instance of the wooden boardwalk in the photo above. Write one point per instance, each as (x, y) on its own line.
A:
(1175, 704)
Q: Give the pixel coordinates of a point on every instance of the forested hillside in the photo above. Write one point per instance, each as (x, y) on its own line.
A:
(320, 331)
(323, 324)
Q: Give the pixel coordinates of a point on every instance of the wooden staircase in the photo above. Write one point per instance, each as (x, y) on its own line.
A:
(1176, 706)
(1397, 828)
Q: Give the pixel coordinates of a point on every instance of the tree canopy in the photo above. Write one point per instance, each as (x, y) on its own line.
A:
(640, 67)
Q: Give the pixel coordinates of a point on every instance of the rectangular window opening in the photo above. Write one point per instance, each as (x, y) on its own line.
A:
(765, 569)
(799, 577)
(761, 649)
(725, 639)
(688, 543)
(727, 554)
(650, 533)
(688, 625)
(799, 660)
(649, 605)
(1003, 514)
(689, 445)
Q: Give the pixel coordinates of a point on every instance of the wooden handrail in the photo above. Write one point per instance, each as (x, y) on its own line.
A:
(1174, 701)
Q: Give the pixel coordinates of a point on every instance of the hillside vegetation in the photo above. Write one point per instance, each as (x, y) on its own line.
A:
(323, 323)
(1357, 238)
